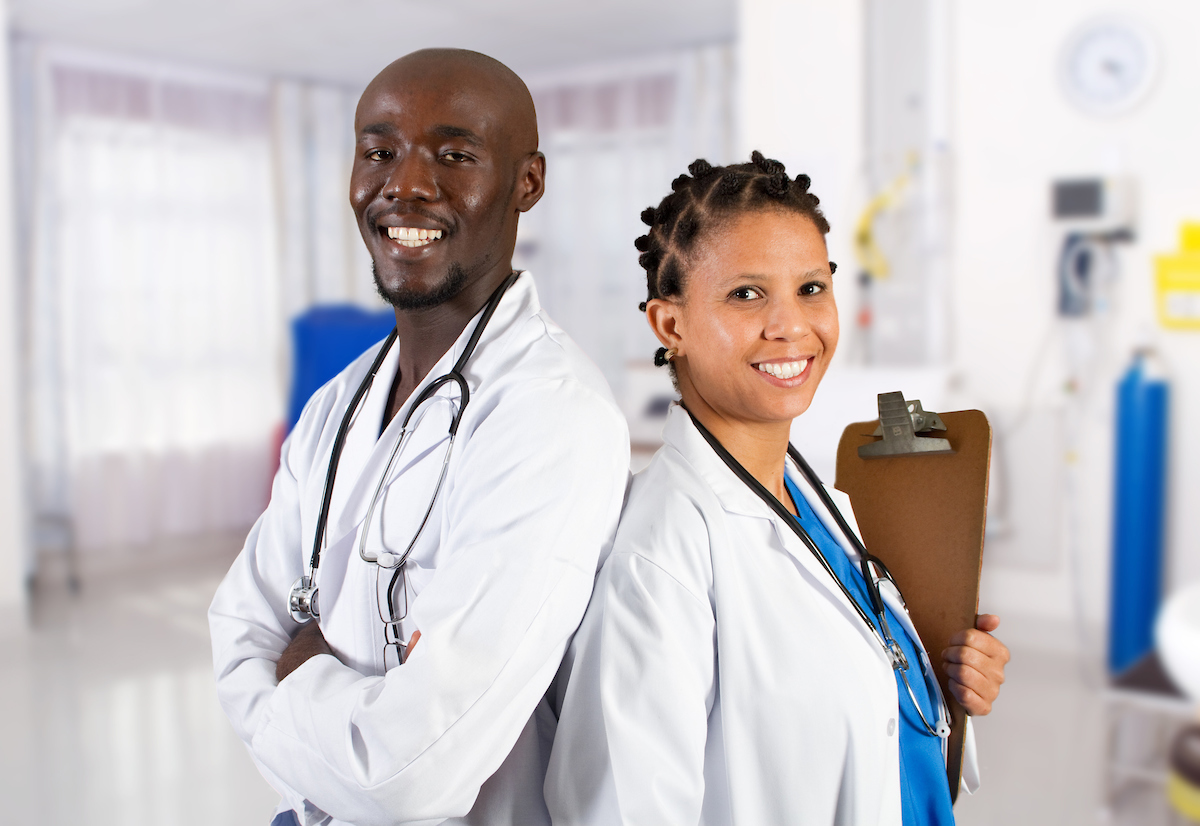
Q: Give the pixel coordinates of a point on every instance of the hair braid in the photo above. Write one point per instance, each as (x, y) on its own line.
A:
(703, 200)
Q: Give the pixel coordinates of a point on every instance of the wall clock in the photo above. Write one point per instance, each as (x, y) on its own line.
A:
(1108, 65)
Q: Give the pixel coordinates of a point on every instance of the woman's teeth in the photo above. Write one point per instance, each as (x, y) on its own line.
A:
(413, 237)
(784, 370)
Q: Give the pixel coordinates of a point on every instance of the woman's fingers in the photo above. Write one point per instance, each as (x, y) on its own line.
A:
(987, 622)
(980, 641)
(974, 705)
(974, 664)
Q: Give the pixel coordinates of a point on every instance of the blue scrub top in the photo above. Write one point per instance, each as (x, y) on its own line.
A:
(924, 792)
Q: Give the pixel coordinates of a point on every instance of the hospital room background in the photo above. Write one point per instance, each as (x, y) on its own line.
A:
(1014, 191)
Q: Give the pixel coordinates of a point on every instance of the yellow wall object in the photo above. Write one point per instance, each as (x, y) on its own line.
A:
(1189, 236)
(1184, 796)
(1178, 282)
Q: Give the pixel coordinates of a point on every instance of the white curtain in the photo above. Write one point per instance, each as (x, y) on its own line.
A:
(323, 258)
(154, 320)
(615, 136)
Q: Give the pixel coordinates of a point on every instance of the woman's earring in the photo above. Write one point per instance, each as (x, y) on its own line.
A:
(663, 355)
(671, 354)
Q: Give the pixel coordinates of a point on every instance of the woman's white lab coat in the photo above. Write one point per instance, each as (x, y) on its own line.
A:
(720, 674)
(498, 582)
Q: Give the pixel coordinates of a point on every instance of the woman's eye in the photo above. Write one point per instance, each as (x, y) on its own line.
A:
(812, 288)
(746, 293)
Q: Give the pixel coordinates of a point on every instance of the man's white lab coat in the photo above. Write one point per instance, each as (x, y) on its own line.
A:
(497, 583)
(720, 675)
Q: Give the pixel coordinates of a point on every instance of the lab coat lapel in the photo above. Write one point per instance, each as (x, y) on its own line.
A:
(889, 592)
(737, 498)
(367, 452)
(362, 442)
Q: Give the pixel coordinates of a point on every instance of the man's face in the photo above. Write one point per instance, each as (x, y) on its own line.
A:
(434, 184)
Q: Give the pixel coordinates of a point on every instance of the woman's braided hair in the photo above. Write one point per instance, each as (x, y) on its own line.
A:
(703, 200)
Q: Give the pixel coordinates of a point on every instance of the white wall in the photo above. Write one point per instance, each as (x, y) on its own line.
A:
(12, 511)
(1011, 133)
(800, 86)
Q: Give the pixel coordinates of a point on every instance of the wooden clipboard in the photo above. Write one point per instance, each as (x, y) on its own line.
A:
(923, 514)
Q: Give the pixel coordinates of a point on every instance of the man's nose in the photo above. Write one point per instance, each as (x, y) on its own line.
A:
(412, 178)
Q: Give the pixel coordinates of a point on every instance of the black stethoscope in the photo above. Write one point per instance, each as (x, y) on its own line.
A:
(882, 632)
(303, 602)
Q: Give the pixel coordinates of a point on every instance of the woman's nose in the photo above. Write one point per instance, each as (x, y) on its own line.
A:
(412, 178)
(786, 321)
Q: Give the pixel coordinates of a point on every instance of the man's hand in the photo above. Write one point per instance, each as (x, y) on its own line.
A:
(975, 664)
(309, 642)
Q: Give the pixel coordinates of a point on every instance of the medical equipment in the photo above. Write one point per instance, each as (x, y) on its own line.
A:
(303, 600)
(1093, 215)
(1177, 278)
(1139, 509)
(882, 633)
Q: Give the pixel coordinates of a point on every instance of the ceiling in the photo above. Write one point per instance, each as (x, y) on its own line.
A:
(351, 40)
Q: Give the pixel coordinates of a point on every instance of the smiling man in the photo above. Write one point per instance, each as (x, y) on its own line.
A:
(455, 484)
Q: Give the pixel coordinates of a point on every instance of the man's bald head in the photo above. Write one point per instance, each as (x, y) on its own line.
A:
(471, 72)
(446, 161)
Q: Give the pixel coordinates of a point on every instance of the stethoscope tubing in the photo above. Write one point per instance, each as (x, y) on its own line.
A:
(455, 375)
(339, 442)
(882, 633)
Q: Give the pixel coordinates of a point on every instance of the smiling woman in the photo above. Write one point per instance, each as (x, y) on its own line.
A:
(744, 658)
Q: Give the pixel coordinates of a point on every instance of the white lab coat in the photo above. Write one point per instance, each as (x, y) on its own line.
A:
(720, 674)
(498, 582)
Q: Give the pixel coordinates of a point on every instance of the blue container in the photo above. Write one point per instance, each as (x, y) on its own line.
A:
(325, 340)
(1139, 508)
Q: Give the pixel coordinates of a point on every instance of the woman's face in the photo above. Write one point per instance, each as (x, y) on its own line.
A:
(757, 324)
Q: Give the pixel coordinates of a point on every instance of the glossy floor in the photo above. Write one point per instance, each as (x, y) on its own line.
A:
(110, 718)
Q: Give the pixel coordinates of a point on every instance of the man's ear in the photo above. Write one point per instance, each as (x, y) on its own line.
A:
(664, 319)
(531, 182)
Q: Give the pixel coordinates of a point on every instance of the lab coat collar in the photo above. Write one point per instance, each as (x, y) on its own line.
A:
(366, 451)
(680, 433)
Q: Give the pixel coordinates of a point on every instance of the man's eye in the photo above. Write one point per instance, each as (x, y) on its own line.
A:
(379, 155)
(812, 288)
(746, 293)
(456, 157)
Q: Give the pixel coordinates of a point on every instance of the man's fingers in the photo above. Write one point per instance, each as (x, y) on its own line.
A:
(308, 630)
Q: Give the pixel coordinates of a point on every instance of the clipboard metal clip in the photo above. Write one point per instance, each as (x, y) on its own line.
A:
(899, 423)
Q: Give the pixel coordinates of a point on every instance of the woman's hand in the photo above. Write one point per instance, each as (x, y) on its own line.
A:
(975, 664)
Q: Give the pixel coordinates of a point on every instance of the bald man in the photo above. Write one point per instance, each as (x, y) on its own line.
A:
(347, 716)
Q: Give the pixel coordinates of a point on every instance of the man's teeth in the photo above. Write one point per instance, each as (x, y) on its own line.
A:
(412, 236)
(784, 370)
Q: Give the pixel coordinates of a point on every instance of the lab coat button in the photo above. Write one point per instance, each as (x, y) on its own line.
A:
(891, 726)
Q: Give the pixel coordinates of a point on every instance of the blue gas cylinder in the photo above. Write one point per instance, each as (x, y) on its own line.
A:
(1139, 510)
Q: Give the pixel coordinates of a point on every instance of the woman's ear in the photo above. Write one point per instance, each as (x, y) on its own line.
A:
(665, 321)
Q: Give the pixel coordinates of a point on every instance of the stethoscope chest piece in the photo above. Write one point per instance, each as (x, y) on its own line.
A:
(302, 602)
